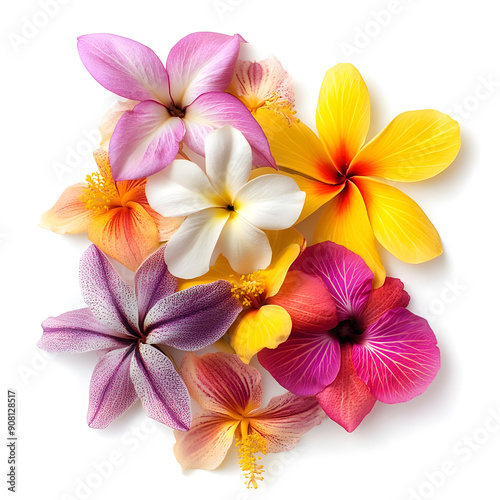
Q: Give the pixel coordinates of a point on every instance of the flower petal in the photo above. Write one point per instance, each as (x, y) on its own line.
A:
(220, 382)
(398, 223)
(69, 214)
(398, 357)
(345, 221)
(111, 118)
(191, 248)
(344, 273)
(160, 388)
(206, 443)
(110, 299)
(416, 145)
(194, 318)
(124, 66)
(200, 63)
(305, 364)
(343, 113)
(270, 202)
(145, 140)
(111, 390)
(78, 331)
(255, 329)
(216, 109)
(347, 400)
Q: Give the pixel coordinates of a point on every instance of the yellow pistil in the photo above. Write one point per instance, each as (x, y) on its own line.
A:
(248, 288)
(248, 447)
(281, 107)
(101, 193)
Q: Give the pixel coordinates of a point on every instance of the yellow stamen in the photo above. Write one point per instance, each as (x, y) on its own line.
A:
(101, 193)
(248, 446)
(248, 288)
(280, 106)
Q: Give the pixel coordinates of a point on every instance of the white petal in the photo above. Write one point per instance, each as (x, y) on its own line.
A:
(181, 189)
(229, 161)
(245, 247)
(189, 251)
(270, 202)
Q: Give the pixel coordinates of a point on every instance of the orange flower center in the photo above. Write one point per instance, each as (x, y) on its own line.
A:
(248, 288)
(101, 194)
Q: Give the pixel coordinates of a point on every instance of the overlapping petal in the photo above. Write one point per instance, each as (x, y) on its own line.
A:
(111, 118)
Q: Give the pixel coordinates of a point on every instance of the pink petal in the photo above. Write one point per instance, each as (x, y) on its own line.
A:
(111, 390)
(200, 63)
(160, 388)
(347, 400)
(146, 139)
(398, 357)
(344, 273)
(305, 363)
(125, 67)
(216, 109)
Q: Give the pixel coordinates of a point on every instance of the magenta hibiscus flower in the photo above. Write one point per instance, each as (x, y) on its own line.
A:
(183, 101)
(130, 326)
(375, 349)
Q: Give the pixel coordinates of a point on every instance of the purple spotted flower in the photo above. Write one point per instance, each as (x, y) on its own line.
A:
(130, 326)
(182, 101)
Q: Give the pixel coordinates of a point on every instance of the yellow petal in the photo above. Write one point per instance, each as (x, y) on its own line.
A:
(398, 223)
(343, 113)
(416, 145)
(345, 222)
(221, 270)
(256, 329)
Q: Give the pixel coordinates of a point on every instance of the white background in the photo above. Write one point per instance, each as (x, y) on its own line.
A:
(424, 54)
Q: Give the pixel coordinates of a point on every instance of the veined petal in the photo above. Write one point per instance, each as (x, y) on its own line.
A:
(160, 388)
(69, 214)
(127, 234)
(220, 382)
(111, 390)
(347, 400)
(78, 331)
(305, 364)
(270, 202)
(124, 66)
(256, 329)
(345, 221)
(146, 139)
(416, 145)
(398, 357)
(191, 248)
(398, 223)
(200, 63)
(206, 443)
(216, 109)
(285, 419)
(111, 118)
(343, 114)
(181, 189)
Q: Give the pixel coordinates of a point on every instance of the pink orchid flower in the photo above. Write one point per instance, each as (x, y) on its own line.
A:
(374, 349)
(183, 101)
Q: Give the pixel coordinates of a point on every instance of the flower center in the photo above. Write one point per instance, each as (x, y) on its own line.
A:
(248, 288)
(175, 111)
(348, 331)
(248, 447)
(101, 193)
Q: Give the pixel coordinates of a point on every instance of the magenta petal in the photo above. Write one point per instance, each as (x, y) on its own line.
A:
(111, 390)
(110, 299)
(193, 318)
(160, 388)
(216, 109)
(125, 67)
(398, 357)
(345, 274)
(199, 63)
(145, 140)
(78, 331)
(305, 363)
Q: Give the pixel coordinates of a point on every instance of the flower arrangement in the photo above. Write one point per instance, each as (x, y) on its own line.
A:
(217, 259)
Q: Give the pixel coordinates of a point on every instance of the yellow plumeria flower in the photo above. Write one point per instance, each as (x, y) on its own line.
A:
(338, 171)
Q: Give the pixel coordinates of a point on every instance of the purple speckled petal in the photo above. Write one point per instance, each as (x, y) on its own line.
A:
(345, 274)
(78, 331)
(110, 299)
(111, 390)
(160, 388)
(193, 318)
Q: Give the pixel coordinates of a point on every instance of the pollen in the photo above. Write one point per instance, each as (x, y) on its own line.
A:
(248, 288)
(101, 193)
(281, 107)
(248, 448)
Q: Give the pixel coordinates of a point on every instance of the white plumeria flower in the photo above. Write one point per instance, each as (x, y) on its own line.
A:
(225, 212)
